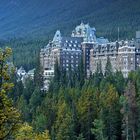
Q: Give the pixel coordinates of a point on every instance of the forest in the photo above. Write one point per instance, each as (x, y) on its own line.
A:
(102, 107)
(38, 18)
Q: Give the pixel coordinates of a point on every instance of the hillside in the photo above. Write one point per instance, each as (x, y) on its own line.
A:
(24, 18)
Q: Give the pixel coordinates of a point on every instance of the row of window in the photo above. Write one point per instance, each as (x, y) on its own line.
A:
(49, 73)
(71, 41)
(70, 53)
(70, 61)
(67, 65)
(70, 45)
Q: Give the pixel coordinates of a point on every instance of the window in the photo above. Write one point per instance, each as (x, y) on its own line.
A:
(131, 59)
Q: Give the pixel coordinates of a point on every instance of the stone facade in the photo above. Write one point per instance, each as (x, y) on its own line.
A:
(100, 53)
(124, 57)
(86, 47)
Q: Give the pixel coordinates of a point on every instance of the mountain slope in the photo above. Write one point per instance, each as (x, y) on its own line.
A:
(22, 18)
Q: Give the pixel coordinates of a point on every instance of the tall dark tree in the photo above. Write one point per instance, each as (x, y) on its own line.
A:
(38, 78)
(129, 112)
(81, 73)
(98, 75)
(108, 68)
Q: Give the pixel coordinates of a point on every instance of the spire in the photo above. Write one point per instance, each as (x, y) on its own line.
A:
(118, 33)
(57, 36)
(82, 23)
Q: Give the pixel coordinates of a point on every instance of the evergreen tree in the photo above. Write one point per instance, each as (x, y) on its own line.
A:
(87, 110)
(98, 76)
(81, 73)
(98, 129)
(9, 116)
(110, 113)
(108, 68)
(130, 112)
(24, 108)
(64, 128)
(35, 100)
(38, 78)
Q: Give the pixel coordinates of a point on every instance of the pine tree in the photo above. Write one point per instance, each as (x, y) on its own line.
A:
(64, 123)
(129, 111)
(98, 129)
(38, 79)
(9, 116)
(108, 68)
(98, 76)
(81, 73)
(87, 110)
(110, 113)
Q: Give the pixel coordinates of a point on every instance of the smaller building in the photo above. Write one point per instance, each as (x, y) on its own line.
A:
(22, 75)
(31, 73)
(21, 72)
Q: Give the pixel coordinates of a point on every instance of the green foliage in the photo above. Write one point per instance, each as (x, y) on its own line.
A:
(26, 132)
(9, 116)
(98, 129)
(40, 122)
